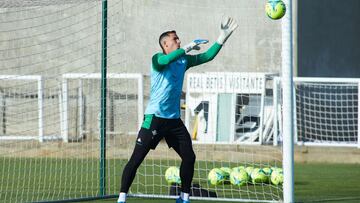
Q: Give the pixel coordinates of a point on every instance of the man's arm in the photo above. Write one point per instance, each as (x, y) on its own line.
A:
(228, 25)
(195, 60)
(160, 60)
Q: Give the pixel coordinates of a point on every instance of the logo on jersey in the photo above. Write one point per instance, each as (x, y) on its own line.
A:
(181, 61)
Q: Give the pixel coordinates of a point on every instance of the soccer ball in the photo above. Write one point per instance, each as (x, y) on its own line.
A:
(227, 172)
(277, 169)
(259, 176)
(277, 177)
(267, 172)
(249, 170)
(238, 169)
(239, 178)
(216, 176)
(275, 9)
(172, 175)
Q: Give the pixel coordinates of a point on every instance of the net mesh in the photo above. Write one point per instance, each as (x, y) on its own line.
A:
(327, 112)
(54, 149)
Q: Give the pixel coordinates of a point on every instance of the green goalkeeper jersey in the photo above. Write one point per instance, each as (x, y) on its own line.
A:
(167, 77)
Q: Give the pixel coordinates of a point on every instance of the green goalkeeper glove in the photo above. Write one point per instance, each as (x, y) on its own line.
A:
(228, 25)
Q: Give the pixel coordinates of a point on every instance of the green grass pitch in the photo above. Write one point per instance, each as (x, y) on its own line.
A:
(313, 182)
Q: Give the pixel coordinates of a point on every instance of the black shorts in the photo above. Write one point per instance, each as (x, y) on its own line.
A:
(154, 129)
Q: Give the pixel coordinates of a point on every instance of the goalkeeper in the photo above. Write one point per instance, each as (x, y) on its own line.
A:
(162, 115)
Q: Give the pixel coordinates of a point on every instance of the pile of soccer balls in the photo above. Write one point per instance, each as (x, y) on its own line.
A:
(241, 176)
(238, 176)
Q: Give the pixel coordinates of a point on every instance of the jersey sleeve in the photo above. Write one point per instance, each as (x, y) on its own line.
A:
(195, 60)
(160, 60)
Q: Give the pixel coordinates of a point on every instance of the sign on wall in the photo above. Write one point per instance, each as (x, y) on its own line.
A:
(227, 107)
(226, 82)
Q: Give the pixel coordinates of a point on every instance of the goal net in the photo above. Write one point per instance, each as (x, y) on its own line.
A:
(50, 96)
(81, 106)
(327, 111)
(24, 103)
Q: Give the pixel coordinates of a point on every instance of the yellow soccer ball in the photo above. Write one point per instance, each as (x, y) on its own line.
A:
(227, 172)
(216, 176)
(239, 177)
(258, 176)
(172, 175)
(277, 177)
(275, 9)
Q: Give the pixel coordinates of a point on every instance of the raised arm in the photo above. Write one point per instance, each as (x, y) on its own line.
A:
(160, 60)
(195, 60)
(227, 27)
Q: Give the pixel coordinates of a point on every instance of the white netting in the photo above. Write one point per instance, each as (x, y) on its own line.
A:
(23, 103)
(327, 111)
(56, 40)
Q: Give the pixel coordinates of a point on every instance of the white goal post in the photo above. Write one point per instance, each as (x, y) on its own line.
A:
(31, 111)
(8, 91)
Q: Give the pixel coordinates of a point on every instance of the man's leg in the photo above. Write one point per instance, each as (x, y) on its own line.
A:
(147, 139)
(186, 167)
(180, 140)
(131, 167)
(140, 151)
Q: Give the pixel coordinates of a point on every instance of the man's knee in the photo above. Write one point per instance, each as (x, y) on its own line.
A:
(137, 157)
(189, 157)
(193, 158)
(133, 164)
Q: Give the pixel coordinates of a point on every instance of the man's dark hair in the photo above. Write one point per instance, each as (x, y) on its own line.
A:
(163, 35)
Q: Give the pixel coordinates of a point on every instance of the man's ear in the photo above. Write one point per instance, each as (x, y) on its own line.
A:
(165, 44)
